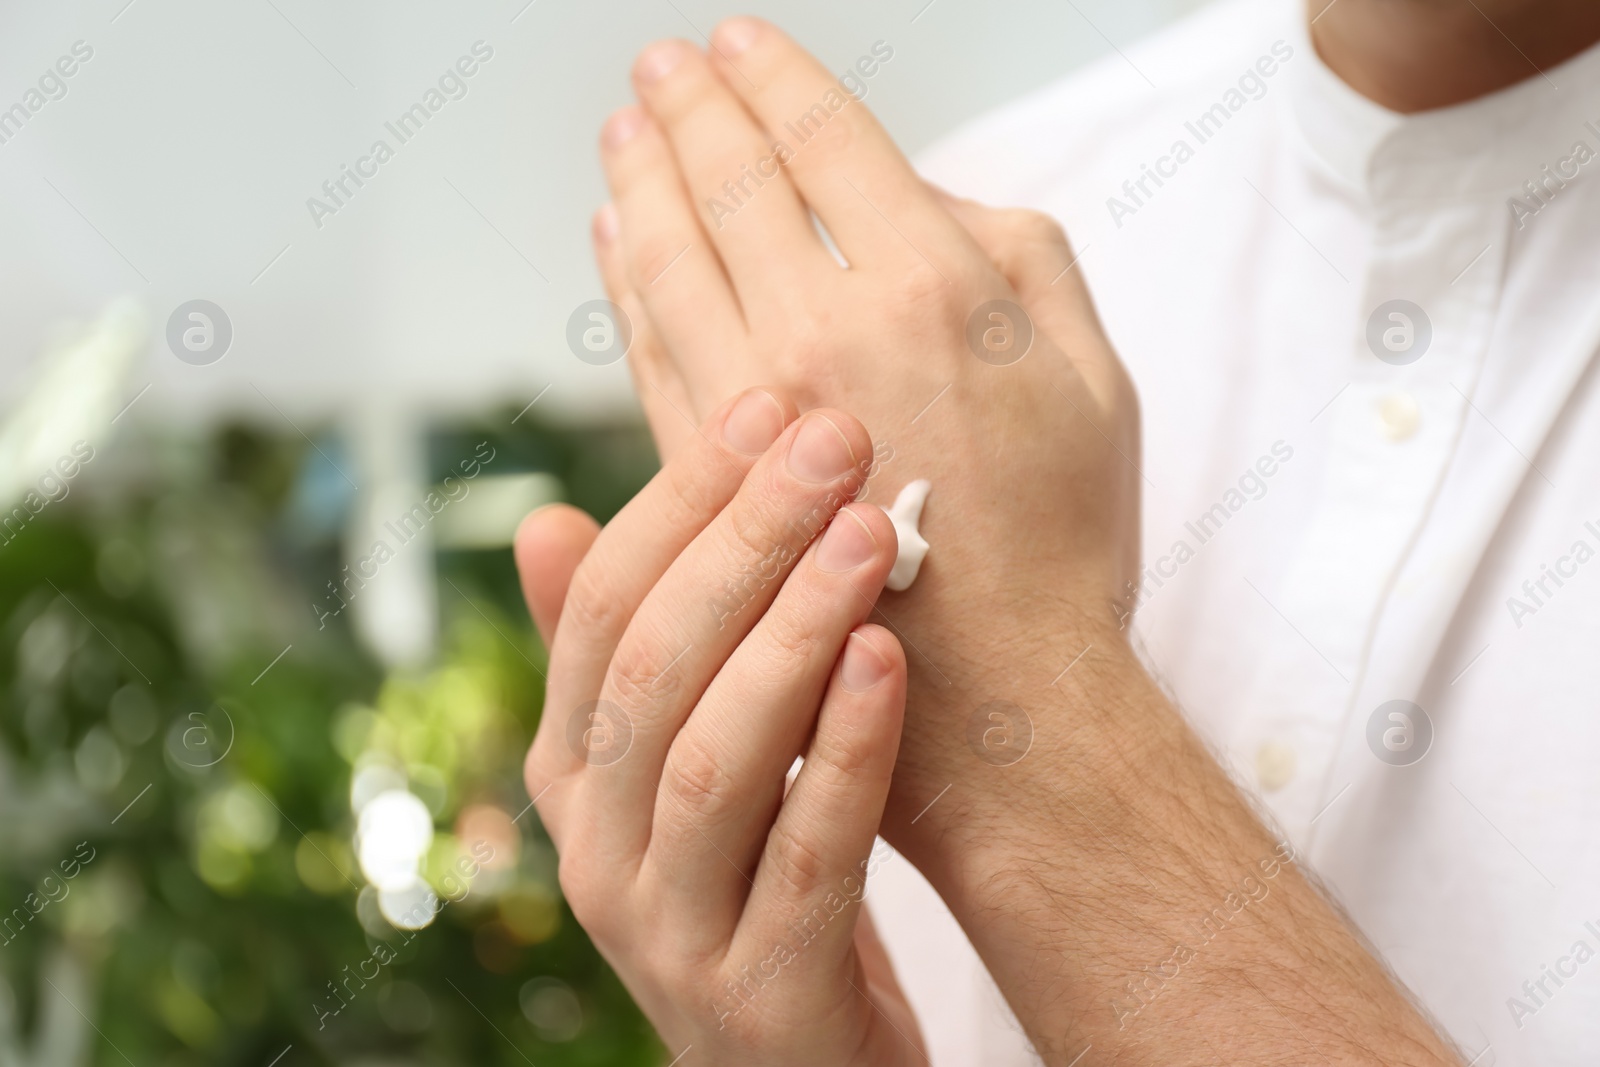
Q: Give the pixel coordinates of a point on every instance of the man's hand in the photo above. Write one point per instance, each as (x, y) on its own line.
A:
(966, 345)
(714, 631)
(1086, 840)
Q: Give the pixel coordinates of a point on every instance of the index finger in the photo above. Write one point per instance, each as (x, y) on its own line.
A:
(843, 162)
(705, 604)
(629, 557)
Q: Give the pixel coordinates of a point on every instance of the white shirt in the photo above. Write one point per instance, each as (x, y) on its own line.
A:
(1384, 556)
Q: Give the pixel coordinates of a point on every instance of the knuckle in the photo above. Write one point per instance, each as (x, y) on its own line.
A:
(807, 361)
(798, 862)
(693, 494)
(1035, 227)
(653, 254)
(750, 540)
(695, 777)
(592, 608)
(646, 354)
(640, 674)
(790, 642)
(807, 345)
(837, 131)
(846, 758)
(921, 292)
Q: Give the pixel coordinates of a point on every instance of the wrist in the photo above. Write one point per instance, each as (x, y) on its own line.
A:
(1030, 721)
(1114, 868)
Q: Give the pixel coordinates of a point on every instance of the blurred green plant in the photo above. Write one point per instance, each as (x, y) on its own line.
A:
(178, 734)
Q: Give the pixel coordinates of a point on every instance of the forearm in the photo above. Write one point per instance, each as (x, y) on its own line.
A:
(1130, 903)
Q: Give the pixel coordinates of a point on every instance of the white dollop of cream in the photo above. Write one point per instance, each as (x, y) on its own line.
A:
(905, 514)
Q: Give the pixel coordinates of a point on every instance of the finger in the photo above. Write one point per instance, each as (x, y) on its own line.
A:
(671, 263)
(668, 408)
(549, 544)
(705, 604)
(1032, 251)
(629, 557)
(882, 984)
(724, 773)
(844, 163)
(813, 873)
(745, 202)
(875, 962)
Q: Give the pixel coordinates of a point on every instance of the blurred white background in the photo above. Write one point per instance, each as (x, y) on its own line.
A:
(178, 164)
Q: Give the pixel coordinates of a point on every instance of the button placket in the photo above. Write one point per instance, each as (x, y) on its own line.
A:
(1389, 447)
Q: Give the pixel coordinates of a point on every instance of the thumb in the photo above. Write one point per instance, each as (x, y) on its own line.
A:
(549, 545)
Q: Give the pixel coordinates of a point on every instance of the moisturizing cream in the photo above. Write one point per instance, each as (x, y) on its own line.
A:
(905, 514)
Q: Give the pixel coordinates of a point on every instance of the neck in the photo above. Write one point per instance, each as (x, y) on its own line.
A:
(1415, 55)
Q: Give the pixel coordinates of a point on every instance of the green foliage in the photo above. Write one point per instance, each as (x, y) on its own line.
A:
(178, 733)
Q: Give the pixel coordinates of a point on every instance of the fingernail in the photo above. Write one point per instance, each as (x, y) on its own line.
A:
(846, 545)
(622, 126)
(606, 224)
(659, 60)
(862, 668)
(819, 452)
(754, 423)
(737, 34)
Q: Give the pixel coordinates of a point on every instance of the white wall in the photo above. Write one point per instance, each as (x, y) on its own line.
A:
(179, 162)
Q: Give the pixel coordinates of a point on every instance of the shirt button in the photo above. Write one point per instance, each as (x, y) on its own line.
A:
(1399, 414)
(1274, 765)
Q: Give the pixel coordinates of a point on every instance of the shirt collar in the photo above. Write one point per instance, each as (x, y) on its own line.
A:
(1491, 145)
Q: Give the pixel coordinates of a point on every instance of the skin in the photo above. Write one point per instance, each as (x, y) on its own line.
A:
(1415, 55)
(680, 852)
(1124, 895)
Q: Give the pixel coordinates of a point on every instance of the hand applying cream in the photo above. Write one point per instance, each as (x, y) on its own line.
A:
(905, 514)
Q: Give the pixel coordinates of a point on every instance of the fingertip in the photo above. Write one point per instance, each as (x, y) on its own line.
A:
(527, 530)
(735, 35)
(659, 59)
(622, 126)
(549, 544)
(536, 524)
